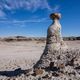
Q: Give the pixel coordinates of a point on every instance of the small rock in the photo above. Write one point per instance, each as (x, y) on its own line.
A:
(55, 74)
(38, 71)
(78, 67)
(61, 66)
(51, 65)
(46, 76)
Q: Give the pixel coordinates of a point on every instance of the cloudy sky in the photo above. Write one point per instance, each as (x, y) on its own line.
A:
(31, 17)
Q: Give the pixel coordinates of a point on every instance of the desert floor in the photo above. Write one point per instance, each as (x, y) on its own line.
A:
(23, 54)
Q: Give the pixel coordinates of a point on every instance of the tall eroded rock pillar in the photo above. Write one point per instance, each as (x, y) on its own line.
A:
(54, 42)
(54, 37)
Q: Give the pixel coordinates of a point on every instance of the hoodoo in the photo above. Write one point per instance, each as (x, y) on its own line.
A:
(54, 41)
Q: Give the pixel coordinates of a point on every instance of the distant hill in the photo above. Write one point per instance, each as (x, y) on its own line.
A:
(71, 38)
(23, 38)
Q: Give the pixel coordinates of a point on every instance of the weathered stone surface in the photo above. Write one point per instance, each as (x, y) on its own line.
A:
(54, 42)
(54, 37)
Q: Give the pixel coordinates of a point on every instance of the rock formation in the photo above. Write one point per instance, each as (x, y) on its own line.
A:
(58, 62)
(54, 37)
(54, 42)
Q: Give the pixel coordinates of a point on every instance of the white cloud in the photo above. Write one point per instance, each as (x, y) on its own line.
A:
(56, 8)
(37, 4)
(31, 5)
(7, 7)
(2, 14)
(25, 21)
(22, 24)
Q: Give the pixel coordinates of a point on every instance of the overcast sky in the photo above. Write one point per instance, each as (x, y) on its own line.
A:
(31, 17)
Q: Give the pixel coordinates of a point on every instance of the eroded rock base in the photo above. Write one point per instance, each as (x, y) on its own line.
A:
(59, 65)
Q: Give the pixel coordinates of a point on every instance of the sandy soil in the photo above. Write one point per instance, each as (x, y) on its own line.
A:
(23, 54)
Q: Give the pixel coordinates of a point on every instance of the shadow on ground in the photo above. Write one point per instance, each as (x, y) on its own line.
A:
(16, 72)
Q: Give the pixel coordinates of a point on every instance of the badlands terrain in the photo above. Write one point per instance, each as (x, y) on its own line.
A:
(18, 56)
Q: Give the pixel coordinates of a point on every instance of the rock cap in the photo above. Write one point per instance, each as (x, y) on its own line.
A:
(55, 16)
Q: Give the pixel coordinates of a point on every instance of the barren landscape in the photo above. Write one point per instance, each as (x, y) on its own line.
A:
(23, 55)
